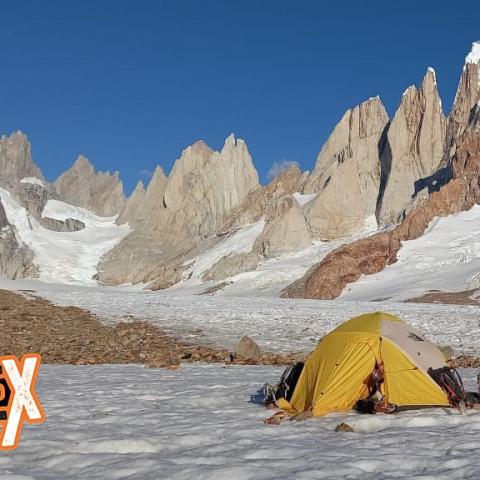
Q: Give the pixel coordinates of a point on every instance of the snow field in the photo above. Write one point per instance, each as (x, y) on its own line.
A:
(64, 257)
(200, 422)
(446, 257)
(32, 181)
(239, 242)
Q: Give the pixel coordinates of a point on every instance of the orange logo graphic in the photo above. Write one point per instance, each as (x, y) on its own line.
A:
(18, 401)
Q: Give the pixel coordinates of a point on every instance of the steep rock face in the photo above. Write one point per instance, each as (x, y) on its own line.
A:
(286, 232)
(203, 187)
(347, 173)
(16, 261)
(370, 255)
(33, 197)
(266, 201)
(285, 227)
(468, 94)
(16, 160)
(474, 121)
(145, 204)
(231, 265)
(133, 206)
(415, 147)
(83, 186)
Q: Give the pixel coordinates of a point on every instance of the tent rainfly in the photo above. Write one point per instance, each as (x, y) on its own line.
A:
(335, 373)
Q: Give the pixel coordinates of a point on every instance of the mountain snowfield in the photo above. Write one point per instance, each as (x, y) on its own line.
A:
(240, 241)
(119, 422)
(446, 257)
(64, 257)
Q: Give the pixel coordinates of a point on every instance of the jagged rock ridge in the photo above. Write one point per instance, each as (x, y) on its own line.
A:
(371, 171)
(457, 174)
(180, 213)
(83, 186)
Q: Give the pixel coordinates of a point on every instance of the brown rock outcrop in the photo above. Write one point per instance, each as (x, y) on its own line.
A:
(70, 335)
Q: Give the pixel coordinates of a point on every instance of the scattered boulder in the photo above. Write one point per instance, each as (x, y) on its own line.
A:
(344, 427)
(70, 335)
(247, 349)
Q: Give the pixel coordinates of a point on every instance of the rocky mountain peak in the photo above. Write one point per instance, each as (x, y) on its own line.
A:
(16, 160)
(140, 186)
(414, 150)
(158, 176)
(347, 173)
(468, 94)
(200, 148)
(83, 164)
(133, 205)
(189, 207)
(83, 186)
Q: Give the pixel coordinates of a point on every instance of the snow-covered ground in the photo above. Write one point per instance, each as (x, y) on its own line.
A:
(239, 242)
(201, 422)
(446, 257)
(271, 275)
(276, 324)
(64, 257)
(274, 274)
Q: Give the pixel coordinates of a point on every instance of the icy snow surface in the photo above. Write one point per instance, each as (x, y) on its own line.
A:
(276, 324)
(304, 199)
(474, 55)
(446, 257)
(239, 242)
(201, 422)
(271, 275)
(64, 257)
(32, 180)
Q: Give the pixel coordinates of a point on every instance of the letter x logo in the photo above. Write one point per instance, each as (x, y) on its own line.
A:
(23, 404)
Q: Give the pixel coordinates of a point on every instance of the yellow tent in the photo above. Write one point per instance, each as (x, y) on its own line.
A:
(334, 376)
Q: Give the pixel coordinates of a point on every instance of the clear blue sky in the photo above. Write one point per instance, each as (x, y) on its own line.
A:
(131, 83)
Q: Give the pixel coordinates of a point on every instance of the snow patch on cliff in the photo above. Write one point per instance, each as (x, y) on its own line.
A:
(64, 257)
(32, 181)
